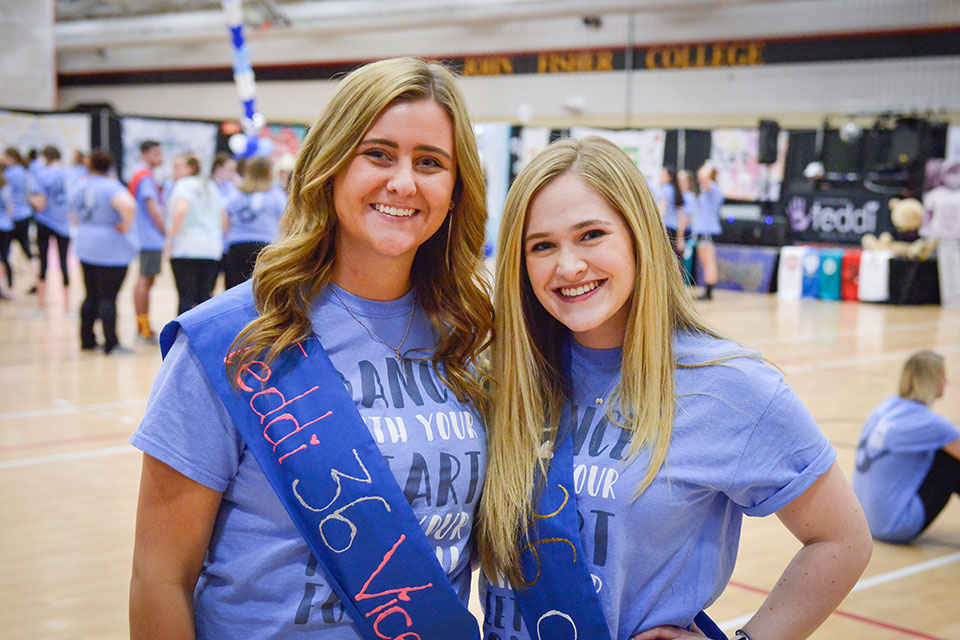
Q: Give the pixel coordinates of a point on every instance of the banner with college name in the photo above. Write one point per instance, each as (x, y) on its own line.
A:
(921, 42)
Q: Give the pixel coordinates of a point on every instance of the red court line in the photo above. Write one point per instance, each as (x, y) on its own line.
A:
(65, 442)
(852, 616)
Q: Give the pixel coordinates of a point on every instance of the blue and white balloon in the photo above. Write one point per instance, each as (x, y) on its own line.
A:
(247, 143)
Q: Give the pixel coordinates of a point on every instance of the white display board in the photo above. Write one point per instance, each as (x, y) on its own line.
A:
(65, 131)
(175, 136)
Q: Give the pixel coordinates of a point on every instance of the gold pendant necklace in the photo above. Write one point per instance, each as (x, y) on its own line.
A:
(395, 349)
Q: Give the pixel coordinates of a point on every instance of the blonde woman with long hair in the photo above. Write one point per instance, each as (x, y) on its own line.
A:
(313, 447)
(908, 457)
(627, 439)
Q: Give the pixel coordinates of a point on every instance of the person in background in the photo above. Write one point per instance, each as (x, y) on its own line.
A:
(105, 245)
(151, 231)
(602, 362)
(21, 183)
(670, 202)
(284, 170)
(254, 212)
(34, 161)
(223, 172)
(50, 199)
(908, 457)
(942, 223)
(687, 186)
(6, 236)
(707, 225)
(197, 221)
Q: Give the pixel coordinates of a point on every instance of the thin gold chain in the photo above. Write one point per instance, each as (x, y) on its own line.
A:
(396, 349)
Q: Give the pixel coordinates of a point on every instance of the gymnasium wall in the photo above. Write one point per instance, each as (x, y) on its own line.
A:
(739, 93)
(27, 64)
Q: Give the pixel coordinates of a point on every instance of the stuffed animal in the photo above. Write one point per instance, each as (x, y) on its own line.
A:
(907, 216)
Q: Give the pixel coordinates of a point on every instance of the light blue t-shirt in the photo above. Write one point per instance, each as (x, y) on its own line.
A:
(260, 580)
(666, 192)
(894, 455)
(709, 203)
(689, 208)
(21, 183)
(6, 209)
(254, 216)
(742, 443)
(53, 182)
(201, 233)
(149, 236)
(97, 240)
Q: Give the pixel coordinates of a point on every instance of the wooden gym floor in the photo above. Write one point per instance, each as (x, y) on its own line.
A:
(68, 478)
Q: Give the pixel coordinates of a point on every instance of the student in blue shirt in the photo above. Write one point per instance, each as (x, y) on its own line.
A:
(21, 185)
(105, 246)
(656, 435)
(6, 236)
(908, 457)
(707, 225)
(670, 202)
(50, 198)
(254, 211)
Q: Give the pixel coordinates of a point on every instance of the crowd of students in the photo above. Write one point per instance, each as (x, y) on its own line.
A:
(205, 223)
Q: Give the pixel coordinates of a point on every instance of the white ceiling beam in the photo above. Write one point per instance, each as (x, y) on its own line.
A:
(339, 16)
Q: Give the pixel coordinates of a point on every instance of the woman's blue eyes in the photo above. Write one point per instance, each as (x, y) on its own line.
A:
(592, 234)
(382, 156)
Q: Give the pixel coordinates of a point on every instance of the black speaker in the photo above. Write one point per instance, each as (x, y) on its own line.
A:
(769, 131)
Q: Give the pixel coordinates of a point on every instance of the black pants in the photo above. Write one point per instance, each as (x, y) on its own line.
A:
(103, 285)
(942, 481)
(44, 233)
(21, 233)
(239, 261)
(195, 278)
(6, 237)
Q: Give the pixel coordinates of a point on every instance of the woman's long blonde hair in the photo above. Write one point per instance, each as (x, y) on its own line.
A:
(530, 390)
(446, 272)
(920, 377)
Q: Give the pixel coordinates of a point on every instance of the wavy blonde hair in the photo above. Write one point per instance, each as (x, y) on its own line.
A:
(920, 377)
(446, 272)
(530, 390)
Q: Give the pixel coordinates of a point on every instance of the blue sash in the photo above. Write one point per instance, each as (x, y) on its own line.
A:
(560, 601)
(341, 496)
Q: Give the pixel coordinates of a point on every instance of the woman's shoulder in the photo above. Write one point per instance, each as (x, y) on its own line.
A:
(709, 361)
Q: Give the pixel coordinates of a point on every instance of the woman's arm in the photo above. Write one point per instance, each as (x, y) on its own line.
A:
(181, 207)
(828, 520)
(175, 518)
(953, 448)
(126, 206)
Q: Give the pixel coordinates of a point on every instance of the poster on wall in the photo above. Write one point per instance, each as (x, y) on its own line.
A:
(645, 147)
(740, 175)
(66, 131)
(175, 136)
(493, 143)
(286, 139)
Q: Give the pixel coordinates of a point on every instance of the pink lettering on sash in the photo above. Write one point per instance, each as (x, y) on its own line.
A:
(402, 594)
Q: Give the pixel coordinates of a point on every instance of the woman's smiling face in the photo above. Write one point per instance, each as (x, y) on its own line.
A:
(579, 254)
(395, 191)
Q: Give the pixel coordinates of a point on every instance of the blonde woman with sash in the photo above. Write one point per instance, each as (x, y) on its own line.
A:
(313, 449)
(627, 439)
